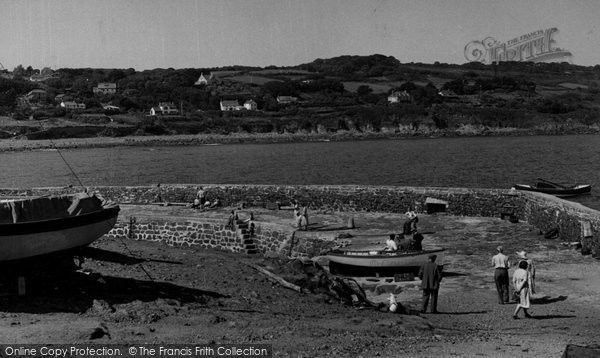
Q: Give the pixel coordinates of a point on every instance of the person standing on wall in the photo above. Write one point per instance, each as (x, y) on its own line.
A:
(431, 276)
(501, 264)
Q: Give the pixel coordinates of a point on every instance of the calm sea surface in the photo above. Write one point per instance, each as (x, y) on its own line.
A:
(443, 162)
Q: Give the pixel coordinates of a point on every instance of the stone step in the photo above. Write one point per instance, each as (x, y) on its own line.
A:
(242, 226)
(250, 247)
(252, 252)
(248, 242)
(246, 236)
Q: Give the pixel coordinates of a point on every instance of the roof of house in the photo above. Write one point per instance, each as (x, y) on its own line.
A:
(230, 103)
(447, 93)
(201, 79)
(107, 85)
(71, 103)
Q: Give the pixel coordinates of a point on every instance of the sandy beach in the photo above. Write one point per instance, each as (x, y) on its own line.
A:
(148, 292)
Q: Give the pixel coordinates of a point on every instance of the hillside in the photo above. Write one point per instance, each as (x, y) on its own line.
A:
(359, 93)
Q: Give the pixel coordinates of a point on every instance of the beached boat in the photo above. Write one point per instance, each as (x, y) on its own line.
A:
(548, 187)
(37, 226)
(381, 262)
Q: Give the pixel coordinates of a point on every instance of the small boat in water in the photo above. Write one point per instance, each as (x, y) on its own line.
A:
(548, 187)
(42, 225)
(380, 262)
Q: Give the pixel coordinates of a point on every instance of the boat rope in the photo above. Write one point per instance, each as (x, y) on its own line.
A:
(69, 166)
(134, 255)
(64, 160)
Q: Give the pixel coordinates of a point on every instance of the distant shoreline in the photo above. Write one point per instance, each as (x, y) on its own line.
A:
(10, 145)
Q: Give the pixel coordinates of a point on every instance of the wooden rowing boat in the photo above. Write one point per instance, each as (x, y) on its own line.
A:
(382, 262)
(548, 187)
(37, 226)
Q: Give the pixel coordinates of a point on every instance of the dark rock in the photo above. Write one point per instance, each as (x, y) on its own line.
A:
(99, 332)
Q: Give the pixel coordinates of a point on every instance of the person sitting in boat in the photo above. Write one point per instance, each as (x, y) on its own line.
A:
(390, 244)
(416, 242)
(403, 243)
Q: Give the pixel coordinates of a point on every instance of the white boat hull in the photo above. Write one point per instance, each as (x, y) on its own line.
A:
(375, 259)
(20, 246)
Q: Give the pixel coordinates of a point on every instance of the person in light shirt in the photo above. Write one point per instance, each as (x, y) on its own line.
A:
(391, 244)
(501, 263)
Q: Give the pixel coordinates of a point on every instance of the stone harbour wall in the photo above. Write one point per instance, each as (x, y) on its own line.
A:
(573, 221)
(205, 234)
(344, 198)
(542, 211)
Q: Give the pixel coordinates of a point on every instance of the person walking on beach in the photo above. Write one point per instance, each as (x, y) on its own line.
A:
(522, 285)
(501, 265)
(522, 255)
(431, 276)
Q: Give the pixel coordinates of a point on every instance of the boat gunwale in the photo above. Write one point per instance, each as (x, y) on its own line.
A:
(34, 227)
(389, 255)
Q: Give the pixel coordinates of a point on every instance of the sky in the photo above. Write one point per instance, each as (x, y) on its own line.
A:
(148, 34)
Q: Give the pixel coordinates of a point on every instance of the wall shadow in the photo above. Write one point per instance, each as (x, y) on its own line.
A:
(462, 313)
(552, 316)
(111, 256)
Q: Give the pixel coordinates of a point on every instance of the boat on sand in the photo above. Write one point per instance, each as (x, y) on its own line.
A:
(36, 226)
(380, 262)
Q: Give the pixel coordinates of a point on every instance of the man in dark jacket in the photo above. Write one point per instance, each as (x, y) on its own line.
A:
(430, 275)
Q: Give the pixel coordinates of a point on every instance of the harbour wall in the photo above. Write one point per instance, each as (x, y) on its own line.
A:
(571, 221)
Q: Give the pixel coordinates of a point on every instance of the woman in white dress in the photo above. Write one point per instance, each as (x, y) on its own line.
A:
(522, 284)
(522, 255)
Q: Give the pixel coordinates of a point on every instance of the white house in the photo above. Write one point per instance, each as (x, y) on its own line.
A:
(105, 88)
(45, 74)
(72, 105)
(110, 107)
(230, 106)
(250, 105)
(286, 99)
(37, 95)
(202, 80)
(448, 95)
(399, 96)
(164, 108)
